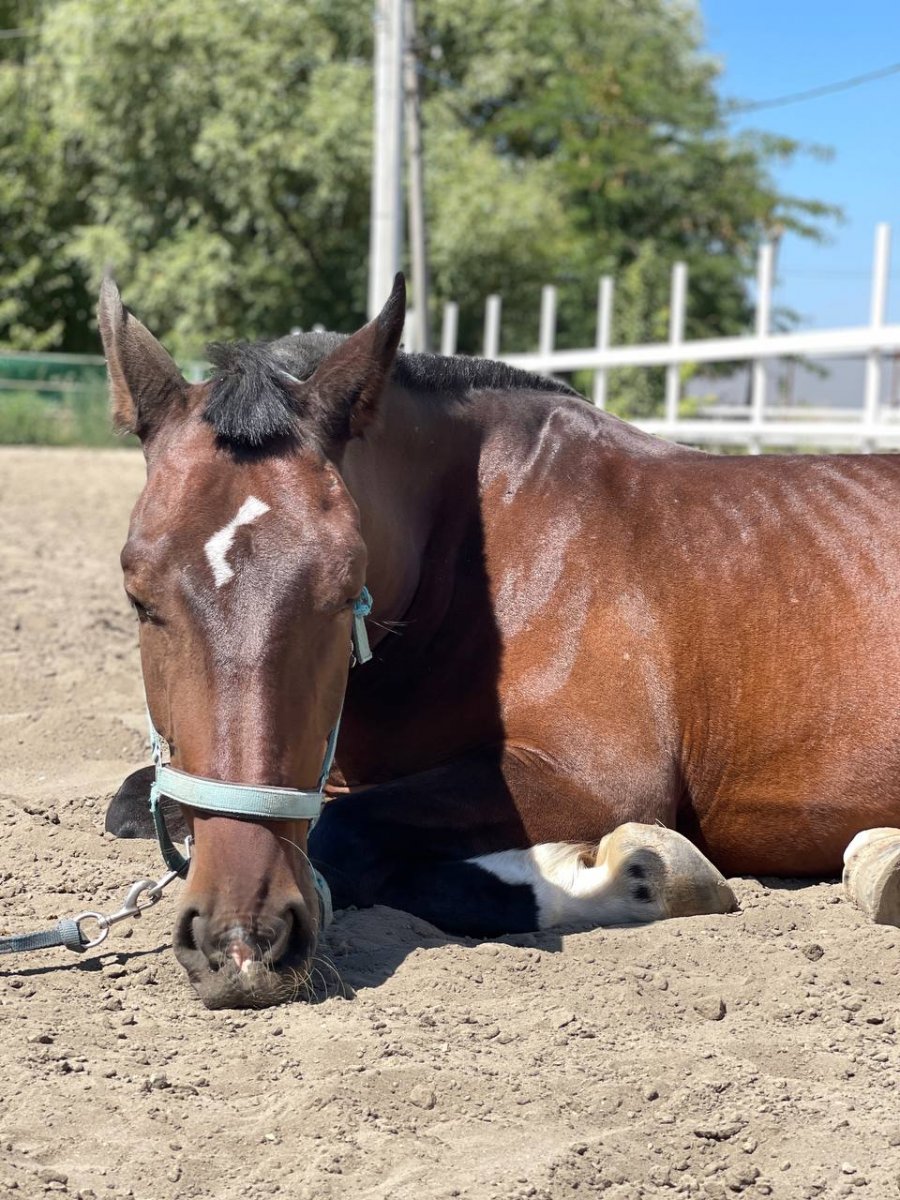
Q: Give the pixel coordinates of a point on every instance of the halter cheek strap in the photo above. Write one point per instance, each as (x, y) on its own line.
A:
(248, 800)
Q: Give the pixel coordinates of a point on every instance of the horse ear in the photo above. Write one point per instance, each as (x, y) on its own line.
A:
(143, 378)
(349, 382)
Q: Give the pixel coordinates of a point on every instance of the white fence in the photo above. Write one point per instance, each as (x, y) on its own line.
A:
(868, 426)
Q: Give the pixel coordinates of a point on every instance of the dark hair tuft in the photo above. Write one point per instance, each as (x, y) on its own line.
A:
(250, 402)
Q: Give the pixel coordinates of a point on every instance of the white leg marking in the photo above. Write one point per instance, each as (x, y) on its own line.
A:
(565, 889)
(216, 549)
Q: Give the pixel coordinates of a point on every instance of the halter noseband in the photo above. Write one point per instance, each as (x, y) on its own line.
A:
(249, 800)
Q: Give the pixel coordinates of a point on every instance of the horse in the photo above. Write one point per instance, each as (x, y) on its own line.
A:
(607, 670)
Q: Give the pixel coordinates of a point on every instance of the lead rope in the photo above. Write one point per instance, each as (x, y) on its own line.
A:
(145, 893)
(68, 932)
(142, 894)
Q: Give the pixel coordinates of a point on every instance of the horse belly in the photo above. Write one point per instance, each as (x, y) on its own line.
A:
(788, 831)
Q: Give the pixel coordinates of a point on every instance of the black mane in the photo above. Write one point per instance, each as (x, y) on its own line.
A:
(251, 401)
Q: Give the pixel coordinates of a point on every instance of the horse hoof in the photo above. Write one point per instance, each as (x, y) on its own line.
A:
(872, 874)
(682, 881)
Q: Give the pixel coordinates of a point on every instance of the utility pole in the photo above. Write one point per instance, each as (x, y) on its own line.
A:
(385, 235)
(418, 246)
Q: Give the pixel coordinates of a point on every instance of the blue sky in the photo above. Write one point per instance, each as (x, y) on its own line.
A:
(772, 47)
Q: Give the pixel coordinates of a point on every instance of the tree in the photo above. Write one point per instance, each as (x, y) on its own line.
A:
(43, 301)
(615, 99)
(217, 154)
(228, 147)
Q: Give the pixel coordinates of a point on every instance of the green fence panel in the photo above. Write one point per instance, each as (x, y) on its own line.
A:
(59, 400)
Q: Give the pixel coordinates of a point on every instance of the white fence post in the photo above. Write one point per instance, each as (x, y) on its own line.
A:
(604, 329)
(677, 307)
(881, 265)
(763, 321)
(492, 327)
(547, 330)
(409, 339)
(449, 327)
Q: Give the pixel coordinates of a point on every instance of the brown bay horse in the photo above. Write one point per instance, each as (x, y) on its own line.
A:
(584, 640)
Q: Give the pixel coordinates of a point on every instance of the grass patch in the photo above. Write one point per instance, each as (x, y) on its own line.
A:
(77, 418)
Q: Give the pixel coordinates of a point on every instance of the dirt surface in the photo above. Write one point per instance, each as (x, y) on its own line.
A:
(754, 1052)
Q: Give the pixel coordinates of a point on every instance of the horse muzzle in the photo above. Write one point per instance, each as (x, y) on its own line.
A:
(234, 963)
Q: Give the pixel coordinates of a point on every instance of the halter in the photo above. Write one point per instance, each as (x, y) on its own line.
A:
(248, 800)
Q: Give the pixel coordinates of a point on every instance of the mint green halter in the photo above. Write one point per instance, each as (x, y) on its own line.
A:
(247, 800)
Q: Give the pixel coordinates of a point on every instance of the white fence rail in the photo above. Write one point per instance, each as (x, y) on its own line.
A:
(869, 427)
(863, 423)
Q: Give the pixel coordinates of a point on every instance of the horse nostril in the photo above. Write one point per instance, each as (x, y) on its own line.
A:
(194, 941)
(284, 941)
(302, 935)
(185, 933)
(279, 943)
(191, 943)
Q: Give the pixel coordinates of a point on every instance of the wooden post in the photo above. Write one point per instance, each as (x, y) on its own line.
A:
(385, 231)
(763, 322)
(547, 329)
(418, 244)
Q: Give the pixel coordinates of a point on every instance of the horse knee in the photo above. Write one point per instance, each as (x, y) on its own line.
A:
(346, 848)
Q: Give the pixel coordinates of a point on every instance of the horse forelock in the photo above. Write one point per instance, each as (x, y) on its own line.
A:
(252, 401)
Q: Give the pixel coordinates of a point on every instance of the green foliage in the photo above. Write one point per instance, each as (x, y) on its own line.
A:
(616, 98)
(27, 420)
(43, 301)
(35, 419)
(216, 154)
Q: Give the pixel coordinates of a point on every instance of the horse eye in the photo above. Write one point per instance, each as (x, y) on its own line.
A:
(144, 612)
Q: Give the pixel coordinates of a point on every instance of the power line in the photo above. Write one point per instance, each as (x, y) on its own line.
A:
(826, 89)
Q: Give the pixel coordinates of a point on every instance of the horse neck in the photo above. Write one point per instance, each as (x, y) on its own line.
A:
(421, 455)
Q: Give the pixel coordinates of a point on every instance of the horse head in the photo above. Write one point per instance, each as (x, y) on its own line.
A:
(243, 560)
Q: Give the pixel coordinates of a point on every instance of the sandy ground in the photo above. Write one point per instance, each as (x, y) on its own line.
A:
(754, 1052)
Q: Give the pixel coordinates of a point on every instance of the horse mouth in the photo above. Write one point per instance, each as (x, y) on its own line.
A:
(223, 978)
(257, 987)
(252, 985)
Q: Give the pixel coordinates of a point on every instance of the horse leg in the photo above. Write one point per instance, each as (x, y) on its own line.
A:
(872, 874)
(637, 873)
(452, 847)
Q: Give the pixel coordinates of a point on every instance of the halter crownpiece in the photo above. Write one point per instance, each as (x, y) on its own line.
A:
(250, 800)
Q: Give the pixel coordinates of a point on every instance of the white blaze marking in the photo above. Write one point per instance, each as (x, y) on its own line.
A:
(216, 549)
